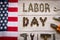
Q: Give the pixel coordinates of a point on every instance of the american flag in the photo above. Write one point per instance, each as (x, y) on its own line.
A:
(8, 19)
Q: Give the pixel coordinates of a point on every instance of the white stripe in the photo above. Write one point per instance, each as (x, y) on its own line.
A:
(9, 34)
(12, 14)
(13, 4)
(12, 24)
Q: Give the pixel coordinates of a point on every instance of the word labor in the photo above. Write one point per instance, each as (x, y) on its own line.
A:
(42, 7)
(34, 21)
(33, 36)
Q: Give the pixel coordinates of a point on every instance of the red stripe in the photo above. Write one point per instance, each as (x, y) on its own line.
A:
(13, 0)
(8, 38)
(12, 19)
(11, 9)
(12, 28)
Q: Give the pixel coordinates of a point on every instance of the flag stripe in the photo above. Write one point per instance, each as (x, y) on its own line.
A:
(12, 28)
(12, 19)
(12, 24)
(12, 9)
(12, 0)
(8, 38)
(9, 34)
(12, 14)
(13, 4)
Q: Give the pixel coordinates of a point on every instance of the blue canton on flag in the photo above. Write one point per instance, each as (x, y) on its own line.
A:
(3, 15)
